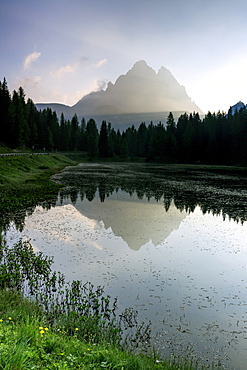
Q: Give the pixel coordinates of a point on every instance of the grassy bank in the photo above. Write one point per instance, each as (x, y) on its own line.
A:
(61, 325)
(17, 170)
(27, 341)
(25, 182)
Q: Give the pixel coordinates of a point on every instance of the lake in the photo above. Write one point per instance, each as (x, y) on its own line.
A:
(169, 241)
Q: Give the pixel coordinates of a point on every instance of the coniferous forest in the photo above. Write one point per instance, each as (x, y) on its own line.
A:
(218, 138)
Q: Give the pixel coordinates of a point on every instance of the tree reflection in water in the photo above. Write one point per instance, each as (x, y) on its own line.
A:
(221, 191)
(191, 284)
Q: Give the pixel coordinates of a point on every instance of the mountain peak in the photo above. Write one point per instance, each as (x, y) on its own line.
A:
(136, 95)
(141, 70)
(164, 72)
(236, 107)
(141, 67)
(140, 64)
(140, 90)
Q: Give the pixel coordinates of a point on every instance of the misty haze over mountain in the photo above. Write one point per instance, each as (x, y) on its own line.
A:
(141, 95)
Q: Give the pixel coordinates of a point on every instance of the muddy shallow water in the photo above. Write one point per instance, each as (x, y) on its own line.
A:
(171, 243)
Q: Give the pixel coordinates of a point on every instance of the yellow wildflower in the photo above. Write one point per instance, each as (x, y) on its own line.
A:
(76, 329)
(40, 327)
(1, 320)
(41, 331)
(46, 329)
(10, 318)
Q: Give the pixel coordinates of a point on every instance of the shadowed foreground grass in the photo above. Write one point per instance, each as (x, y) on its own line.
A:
(27, 341)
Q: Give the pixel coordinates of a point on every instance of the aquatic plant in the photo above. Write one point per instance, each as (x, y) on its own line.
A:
(76, 307)
(27, 342)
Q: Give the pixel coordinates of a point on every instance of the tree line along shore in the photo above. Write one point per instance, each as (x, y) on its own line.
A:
(218, 138)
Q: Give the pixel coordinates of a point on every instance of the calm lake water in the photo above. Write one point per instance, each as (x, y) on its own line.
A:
(168, 242)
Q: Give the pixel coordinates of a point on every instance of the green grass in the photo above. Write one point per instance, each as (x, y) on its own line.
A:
(62, 325)
(27, 341)
(25, 181)
(21, 169)
(4, 149)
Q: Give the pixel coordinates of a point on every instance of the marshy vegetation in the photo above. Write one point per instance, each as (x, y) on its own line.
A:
(220, 190)
(48, 323)
(68, 306)
(45, 321)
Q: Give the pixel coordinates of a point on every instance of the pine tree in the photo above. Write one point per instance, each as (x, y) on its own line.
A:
(23, 129)
(124, 148)
(103, 146)
(92, 138)
(19, 129)
(63, 142)
(172, 147)
(74, 136)
(142, 138)
(32, 115)
(49, 130)
(83, 135)
(170, 124)
(5, 101)
(180, 135)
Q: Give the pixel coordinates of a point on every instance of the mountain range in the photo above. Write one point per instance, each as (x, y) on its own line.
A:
(237, 107)
(141, 95)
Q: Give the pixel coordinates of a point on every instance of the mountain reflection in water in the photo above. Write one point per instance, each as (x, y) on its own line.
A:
(156, 238)
(220, 191)
(136, 222)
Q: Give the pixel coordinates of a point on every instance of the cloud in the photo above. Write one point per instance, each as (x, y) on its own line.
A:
(102, 84)
(69, 68)
(30, 59)
(100, 63)
(83, 60)
(63, 70)
(28, 82)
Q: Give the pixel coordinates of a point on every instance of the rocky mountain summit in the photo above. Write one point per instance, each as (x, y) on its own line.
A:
(139, 95)
(141, 90)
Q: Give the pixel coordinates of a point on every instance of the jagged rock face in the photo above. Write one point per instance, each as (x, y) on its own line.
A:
(141, 95)
(141, 90)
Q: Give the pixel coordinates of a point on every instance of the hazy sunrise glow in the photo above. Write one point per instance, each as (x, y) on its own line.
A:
(60, 51)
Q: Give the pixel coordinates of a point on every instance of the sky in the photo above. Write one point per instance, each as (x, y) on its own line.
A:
(60, 50)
